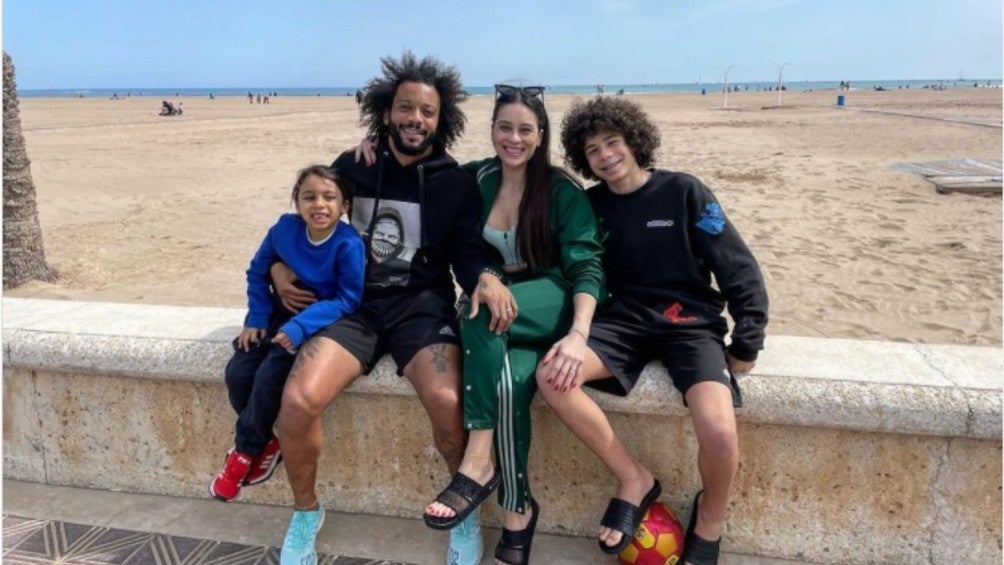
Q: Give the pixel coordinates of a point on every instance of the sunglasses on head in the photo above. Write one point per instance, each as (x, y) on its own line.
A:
(526, 91)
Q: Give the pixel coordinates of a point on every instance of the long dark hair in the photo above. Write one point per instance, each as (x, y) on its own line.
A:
(533, 232)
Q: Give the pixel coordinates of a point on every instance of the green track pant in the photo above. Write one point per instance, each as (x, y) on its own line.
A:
(499, 376)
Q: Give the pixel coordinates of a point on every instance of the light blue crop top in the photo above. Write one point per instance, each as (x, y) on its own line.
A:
(505, 242)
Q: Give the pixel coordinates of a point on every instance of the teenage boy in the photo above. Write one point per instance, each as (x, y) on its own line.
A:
(664, 236)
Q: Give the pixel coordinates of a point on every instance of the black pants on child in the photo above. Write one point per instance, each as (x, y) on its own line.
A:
(255, 380)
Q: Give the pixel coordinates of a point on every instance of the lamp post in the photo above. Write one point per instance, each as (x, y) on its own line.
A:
(780, 71)
(725, 103)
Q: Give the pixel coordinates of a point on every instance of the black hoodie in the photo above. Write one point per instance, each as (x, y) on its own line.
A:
(417, 221)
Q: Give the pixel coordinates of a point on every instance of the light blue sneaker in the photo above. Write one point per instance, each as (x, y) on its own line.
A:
(466, 544)
(298, 547)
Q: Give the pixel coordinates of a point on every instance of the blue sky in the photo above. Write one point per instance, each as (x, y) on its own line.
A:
(290, 43)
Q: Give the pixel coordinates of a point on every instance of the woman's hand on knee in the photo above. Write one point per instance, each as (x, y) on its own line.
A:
(562, 366)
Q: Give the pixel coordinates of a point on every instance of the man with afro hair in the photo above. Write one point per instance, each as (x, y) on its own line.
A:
(413, 110)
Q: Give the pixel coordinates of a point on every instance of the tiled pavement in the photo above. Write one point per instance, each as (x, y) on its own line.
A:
(28, 541)
(45, 524)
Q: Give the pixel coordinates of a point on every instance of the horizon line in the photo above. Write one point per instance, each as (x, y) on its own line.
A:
(553, 85)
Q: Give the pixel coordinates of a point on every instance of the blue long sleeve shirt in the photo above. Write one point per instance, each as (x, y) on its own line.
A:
(332, 269)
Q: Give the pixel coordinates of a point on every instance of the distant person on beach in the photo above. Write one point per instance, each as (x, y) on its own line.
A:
(250, 98)
(327, 257)
(664, 235)
(414, 111)
(359, 97)
(540, 232)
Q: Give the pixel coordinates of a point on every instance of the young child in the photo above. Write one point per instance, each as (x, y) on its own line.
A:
(328, 258)
(665, 236)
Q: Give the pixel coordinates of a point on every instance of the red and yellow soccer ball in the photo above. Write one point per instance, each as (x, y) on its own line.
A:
(658, 541)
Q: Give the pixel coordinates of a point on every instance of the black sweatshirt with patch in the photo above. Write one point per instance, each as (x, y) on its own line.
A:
(664, 242)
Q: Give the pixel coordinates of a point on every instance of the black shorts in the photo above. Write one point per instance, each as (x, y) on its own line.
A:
(626, 336)
(401, 325)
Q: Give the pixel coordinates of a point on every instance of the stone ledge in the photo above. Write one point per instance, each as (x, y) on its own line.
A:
(941, 390)
(850, 451)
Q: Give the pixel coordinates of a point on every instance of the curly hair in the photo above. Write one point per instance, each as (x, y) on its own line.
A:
(380, 91)
(585, 119)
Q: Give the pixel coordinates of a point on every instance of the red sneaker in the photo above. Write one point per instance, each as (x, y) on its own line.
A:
(264, 464)
(227, 484)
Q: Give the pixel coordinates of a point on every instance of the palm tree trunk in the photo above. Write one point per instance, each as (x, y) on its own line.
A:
(23, 255)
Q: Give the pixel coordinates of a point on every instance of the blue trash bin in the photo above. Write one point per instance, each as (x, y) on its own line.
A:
(840, 100)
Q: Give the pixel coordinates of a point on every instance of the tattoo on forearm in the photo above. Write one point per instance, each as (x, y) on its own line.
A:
(482, 285)
(439, 357)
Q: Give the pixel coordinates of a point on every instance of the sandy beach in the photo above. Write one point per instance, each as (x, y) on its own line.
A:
(140, 208)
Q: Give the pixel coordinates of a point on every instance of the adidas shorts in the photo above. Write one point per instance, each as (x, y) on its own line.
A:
(401, 325)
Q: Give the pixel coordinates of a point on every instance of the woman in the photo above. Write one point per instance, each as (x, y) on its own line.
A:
(541, 232)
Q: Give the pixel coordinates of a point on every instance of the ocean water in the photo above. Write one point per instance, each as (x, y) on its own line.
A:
(584, 89)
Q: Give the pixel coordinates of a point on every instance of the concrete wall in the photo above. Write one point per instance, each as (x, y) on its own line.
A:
(851, 451)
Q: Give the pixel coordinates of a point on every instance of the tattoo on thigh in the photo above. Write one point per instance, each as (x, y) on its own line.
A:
(439, 357)
(296, 365)
(308, 349)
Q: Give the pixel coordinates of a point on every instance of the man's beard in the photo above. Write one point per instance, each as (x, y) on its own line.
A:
(411, 150)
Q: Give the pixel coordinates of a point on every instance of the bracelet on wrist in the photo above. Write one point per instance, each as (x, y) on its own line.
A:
(492, 271)
(584, 336)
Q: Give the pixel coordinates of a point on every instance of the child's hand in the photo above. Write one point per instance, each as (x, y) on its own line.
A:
(282, 340)
(249, 336)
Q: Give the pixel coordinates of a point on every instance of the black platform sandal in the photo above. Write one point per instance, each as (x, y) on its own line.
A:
(624, 517)
(697, 550)
(514, 547)
(463, 495)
